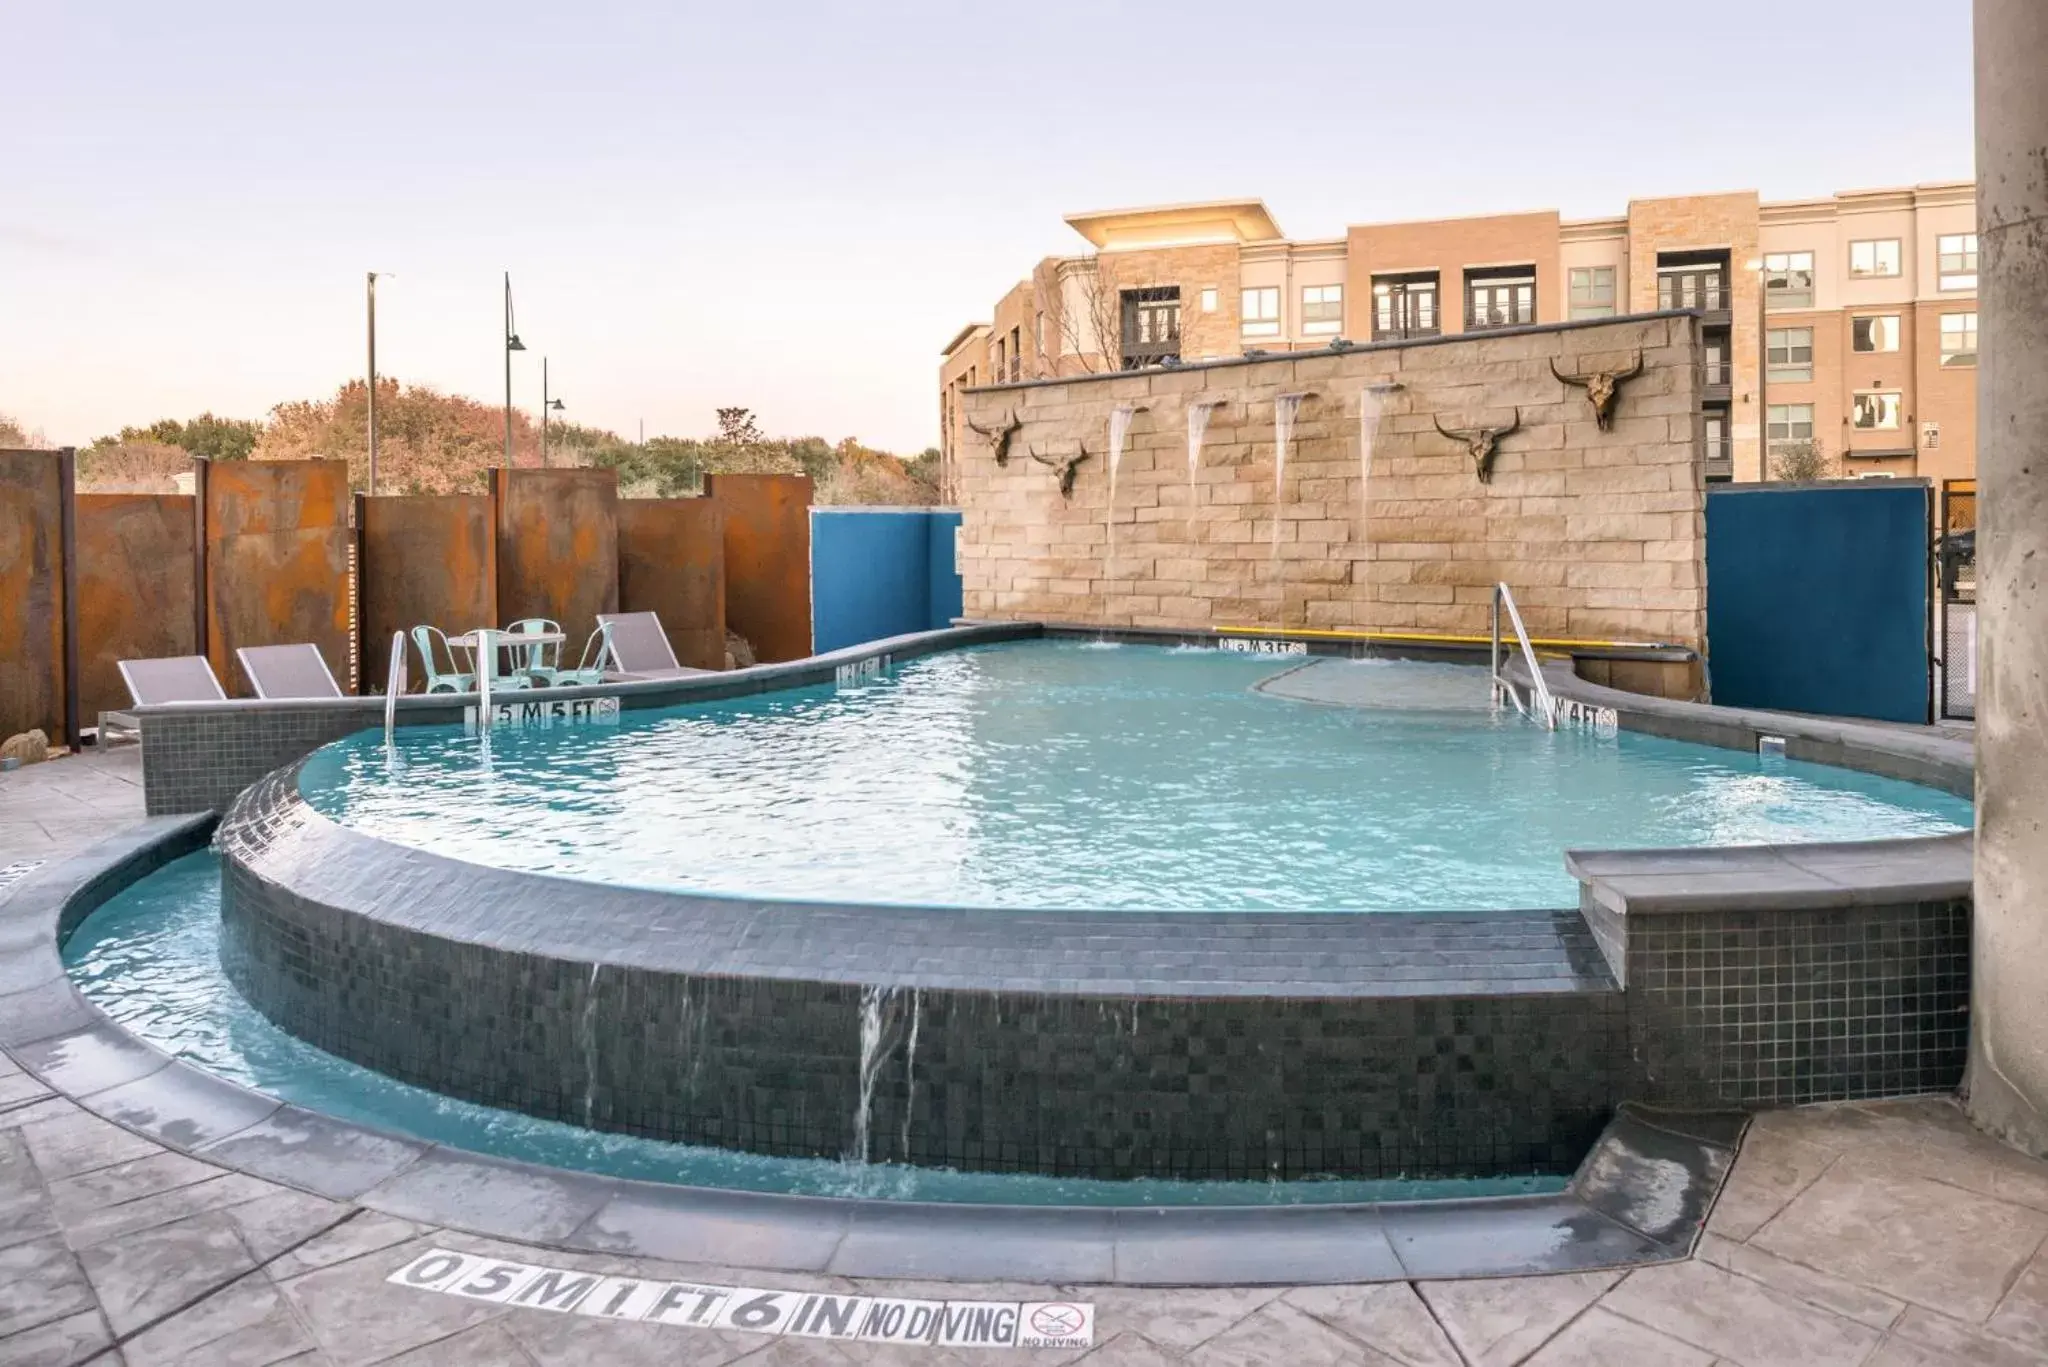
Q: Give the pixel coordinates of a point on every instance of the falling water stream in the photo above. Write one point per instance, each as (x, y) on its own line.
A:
(1119, 430)
(1198, 431)
(872, 1000)
(1371, 406)
(1284, 409)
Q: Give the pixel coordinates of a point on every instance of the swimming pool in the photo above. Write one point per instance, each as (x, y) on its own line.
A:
(1061, 774)
(150, 959)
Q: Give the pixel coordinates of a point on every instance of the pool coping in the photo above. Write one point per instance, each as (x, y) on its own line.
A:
(1619, 1210)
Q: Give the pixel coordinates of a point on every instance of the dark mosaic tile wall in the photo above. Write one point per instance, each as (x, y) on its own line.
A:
(1778, 1008)
(1445, 1074)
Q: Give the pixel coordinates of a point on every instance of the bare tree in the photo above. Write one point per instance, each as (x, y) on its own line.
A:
(1093, 333)
(1801, 462)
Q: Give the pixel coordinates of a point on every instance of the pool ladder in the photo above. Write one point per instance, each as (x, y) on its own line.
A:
(1539, 704)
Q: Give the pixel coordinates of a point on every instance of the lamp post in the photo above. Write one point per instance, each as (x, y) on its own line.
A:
(512, 344)
(547, 405)
(370, 286)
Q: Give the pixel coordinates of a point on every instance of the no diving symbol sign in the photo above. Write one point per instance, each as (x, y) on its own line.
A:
(752, 1309)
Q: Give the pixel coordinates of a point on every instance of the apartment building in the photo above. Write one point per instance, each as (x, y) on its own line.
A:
(1848, 323)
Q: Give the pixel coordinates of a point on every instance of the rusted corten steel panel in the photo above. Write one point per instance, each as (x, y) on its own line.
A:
(32, 593)
(672, 563)
(136, 586)
(558, 548)
(767, 560)
(427, 558)
(277, 546)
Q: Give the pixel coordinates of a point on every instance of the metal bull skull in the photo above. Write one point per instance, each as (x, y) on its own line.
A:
(998, 435)
(1602, 388)
(1063, 466)
(1481, 443)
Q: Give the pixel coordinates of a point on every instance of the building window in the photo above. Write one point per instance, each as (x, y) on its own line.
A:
(1958, 339)
(1404, 306)
(1038, 333)
(1151, 320)
(1719, 369)
(1956, 258)
(1209, 299)
(1880, 257)
(1261, 314)
(1500, 298)
(1879, 332)
(1692, 285)
(1016, 354)
(1717, 439)
(1592, 291)
(1002, 364)
(1322, 308)
(1877, 411)
(1788, 280)
(1788, 355)
(1788, 422)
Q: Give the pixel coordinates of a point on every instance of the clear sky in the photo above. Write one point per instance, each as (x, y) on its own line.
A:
(794, 206)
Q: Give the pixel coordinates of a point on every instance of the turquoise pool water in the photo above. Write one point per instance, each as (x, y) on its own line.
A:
(1062, 774)
(150, 958)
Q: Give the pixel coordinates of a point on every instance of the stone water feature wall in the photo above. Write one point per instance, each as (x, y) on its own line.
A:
(1601, 534)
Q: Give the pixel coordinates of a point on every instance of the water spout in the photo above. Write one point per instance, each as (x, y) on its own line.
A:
(1119, 430)
(1198, 431)
(910, 1067)
(1372, 401)
(1284, 409)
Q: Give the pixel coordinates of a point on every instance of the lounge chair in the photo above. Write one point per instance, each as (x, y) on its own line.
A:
(292, 671)
(176, 678)
(640, 647)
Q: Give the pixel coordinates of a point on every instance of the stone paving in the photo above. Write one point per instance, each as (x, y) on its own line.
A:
(1883, 1234)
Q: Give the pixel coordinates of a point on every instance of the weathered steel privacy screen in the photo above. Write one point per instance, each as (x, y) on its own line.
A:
(558, 547)
(422, 559)
(672, 563)
(277, 540)
(34, 494)
(767, 560)
(138, 598)
(261, 554)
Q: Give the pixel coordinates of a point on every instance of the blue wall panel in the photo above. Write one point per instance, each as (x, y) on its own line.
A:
(1817, 598)
(881, 572)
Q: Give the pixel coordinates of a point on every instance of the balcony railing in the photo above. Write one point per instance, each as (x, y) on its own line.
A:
(1719, 370)
(1485, 319)
(1703, 290)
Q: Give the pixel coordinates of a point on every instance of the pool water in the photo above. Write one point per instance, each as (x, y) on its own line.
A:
(1049, 774)
(150, 959)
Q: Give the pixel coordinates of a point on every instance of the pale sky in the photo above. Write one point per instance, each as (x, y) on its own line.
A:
(794, 206)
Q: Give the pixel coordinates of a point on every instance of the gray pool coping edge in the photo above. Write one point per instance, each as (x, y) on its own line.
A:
(1616, 1212)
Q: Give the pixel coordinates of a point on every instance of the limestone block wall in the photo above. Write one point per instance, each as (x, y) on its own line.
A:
(1601, 535)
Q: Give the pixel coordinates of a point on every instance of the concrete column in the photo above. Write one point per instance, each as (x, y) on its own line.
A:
(2008, 1079)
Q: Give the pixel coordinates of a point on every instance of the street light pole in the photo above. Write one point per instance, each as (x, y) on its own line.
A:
(547, 405)
(371, 287)
(512, 344)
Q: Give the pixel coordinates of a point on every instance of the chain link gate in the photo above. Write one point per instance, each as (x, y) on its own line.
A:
(1956, 561)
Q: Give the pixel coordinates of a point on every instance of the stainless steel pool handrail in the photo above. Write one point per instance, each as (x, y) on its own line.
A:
(1542, 705)
(394, 684)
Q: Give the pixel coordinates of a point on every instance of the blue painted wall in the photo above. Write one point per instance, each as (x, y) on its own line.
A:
(879, 572)
(1817, 598)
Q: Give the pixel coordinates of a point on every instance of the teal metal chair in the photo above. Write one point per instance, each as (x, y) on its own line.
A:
(460, 674)
(590, 667)
(538, 659)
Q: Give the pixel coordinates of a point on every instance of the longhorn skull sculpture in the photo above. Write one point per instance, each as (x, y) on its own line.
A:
(1063, 466)
(1602, 388)
(1481, 443)
(998, 435)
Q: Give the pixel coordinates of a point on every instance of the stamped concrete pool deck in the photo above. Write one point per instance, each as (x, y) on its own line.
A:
(1887, 1234)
